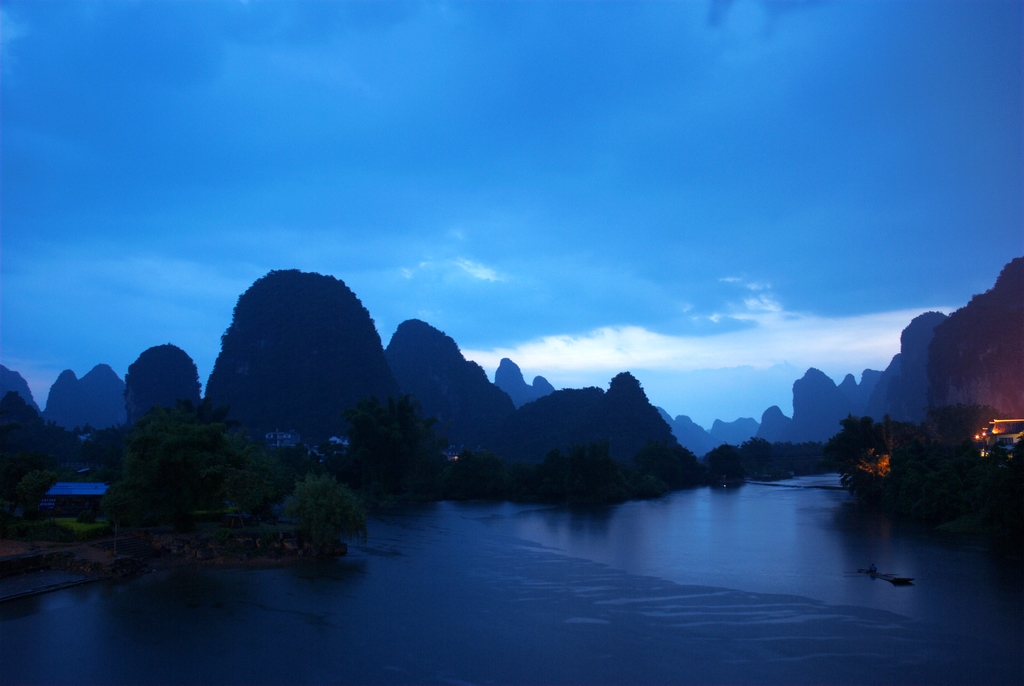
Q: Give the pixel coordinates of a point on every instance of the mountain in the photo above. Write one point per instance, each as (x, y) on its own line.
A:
(886, 393)
(97, 399)
(818, 406)
(429, 365)
(509, 378)
(623, 416)
(976, 356)
(690, 435)
(901, 391)
(162, 375)
(734, 432)
(860, 394)
(301, 349)
(13, 381)
(915, 341)
(775, 426)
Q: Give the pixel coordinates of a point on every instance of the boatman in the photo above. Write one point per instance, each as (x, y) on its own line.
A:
(873, 569)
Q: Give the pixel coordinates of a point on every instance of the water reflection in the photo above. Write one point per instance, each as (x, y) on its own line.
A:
(743, 585)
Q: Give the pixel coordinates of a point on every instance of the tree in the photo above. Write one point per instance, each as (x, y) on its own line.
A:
(724, 463)
(174, 466)
(116, 505)
(478, 475)
(392, 443)
(674, 465)
(31, 489)
(251, 485)
(586, 475)
(862, 452)
(954, 424)
(326, 510)
(13, 469)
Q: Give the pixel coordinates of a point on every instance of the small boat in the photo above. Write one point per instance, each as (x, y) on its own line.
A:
(891, 578)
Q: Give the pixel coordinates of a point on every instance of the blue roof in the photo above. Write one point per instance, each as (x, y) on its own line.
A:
(77, 488)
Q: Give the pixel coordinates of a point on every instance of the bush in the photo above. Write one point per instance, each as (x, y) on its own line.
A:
(326, 510)
(473, 476)
(86, 517)
(83, 531)
(45, 530)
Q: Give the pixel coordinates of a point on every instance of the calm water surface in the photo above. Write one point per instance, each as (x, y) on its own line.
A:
(743, 585)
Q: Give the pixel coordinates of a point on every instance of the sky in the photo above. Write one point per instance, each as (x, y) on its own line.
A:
(713, 196)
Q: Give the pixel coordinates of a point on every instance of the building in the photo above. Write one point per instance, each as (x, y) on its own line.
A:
(70, 498)
(1001, 432)
(282, 439)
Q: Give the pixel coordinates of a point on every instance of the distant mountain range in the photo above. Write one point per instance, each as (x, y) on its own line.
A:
(301, 349)
(96, 400)
(510, 379)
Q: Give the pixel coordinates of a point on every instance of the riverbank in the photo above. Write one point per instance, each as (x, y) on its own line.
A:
(32, 568)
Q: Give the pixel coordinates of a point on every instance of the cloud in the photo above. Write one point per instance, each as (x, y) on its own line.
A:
(478, 271)
(835, 344)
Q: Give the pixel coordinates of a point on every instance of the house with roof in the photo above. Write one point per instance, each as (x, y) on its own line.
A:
(71, 498)
(1002, 432)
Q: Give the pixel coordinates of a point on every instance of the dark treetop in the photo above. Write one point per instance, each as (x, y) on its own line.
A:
(300, 350)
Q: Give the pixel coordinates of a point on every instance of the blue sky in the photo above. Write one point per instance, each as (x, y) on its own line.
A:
(715, 196)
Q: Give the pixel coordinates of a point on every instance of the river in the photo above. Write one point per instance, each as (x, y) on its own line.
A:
(753, 584)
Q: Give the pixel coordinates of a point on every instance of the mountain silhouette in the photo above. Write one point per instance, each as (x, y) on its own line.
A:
(13, 381)
(734, 432)
(887, 392)
(97, 399)
(162, 375)
(976, 356)
(775, 426)
(300, 350)
(818, 407)
(860, 393)
(622, 416)
(509, 378)
(429, 365)
(690, 435)
(915, 340)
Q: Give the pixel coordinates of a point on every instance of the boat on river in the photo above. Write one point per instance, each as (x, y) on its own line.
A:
(891, 578)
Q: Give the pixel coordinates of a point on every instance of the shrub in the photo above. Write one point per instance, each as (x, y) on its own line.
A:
(326, 510)
(86, 517)
(83, 531)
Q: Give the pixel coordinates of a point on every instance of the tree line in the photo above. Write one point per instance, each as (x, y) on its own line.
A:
(173, 465)
(934, 472)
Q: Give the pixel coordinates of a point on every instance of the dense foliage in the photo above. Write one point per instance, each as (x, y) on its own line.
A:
(724, 463)
(23, 430)
(909, 470)
(393, 448)
(175, 465)
(326, 510)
